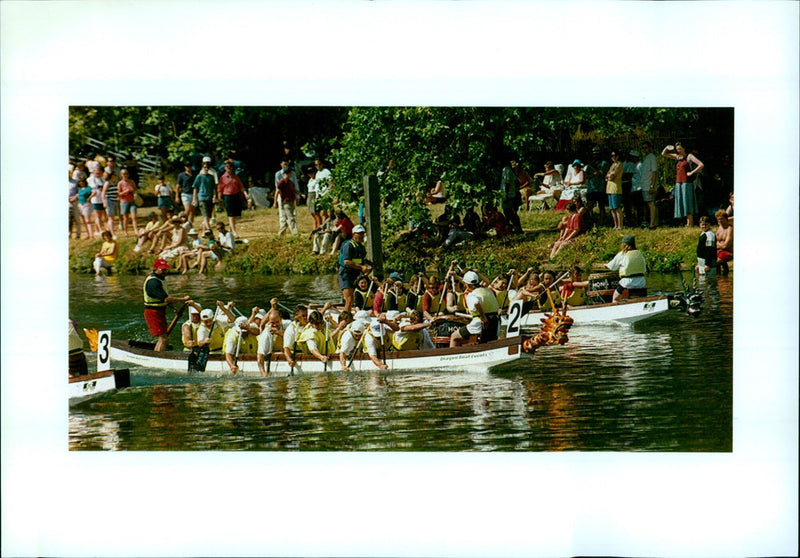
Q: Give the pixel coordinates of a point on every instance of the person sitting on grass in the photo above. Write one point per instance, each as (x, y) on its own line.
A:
(574, 227)
(146, 233)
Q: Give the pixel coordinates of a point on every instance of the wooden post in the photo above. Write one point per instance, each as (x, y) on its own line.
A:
(372, 213)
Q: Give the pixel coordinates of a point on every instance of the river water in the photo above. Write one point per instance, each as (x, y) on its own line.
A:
(663, 385)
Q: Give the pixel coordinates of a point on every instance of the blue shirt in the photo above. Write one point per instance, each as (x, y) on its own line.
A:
(186, 183)
(205, 186)
(354, 252)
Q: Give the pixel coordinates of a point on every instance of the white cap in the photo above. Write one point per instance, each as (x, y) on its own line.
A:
(192, 231)
(362, 315)
(359, 229)
(261, 313)
(471, 278)
(206, 159)
(392, 314)
(358, 326)
(241, 320)
(206, 314)
(193, 310)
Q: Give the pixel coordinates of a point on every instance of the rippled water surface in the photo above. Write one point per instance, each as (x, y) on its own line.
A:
(662, 385)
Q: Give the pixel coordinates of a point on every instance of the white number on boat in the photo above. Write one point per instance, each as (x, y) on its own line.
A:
(103, 355)
(514, 315)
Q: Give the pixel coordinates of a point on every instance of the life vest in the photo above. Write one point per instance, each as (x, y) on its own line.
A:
(248, 345)
(195, 327)
(400, 301)
(544, 302)
(308, 333)
(150, 302)
(435, 298)
(359, 252)
(633, 264)
(502, 297)
(407, 340)
(573, 296)
(216, 337)
(366, 301)
(488, 302)
(340, 336)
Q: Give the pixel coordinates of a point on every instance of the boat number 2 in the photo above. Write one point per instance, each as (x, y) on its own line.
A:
(103, 354)
(514, 315)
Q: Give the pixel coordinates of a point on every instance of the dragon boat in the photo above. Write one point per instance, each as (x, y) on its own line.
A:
(480, 356)
(627, 311)
(89, 386)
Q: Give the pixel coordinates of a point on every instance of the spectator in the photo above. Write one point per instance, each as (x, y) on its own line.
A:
(343, 229)
(164, 194)
(729, 209)
(706, 247)
(512, 199)
(551, 181)
(147, 232)
(233, 195)
(107, 254)
(596, 185)
(96, 183)
(111, 199)
(724, 242)
(321, 237)
(574, 227)
(573, 182)
(525, 182)
(179, 243)
(75, 218)
(324, 182)
(311, 189)
(614, 190)
(226, 240)
(185, 191)
(286, 195)
(648, 176)
(127, 193)
(687, 167)
(436, 194)
(204, 193)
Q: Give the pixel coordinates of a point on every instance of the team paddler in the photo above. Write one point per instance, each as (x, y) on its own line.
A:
(482, 305)
(189, 327)
(632, 268)
(239, 340)
(313, 339)
(270, 339)
(352, 263)
(156, 300)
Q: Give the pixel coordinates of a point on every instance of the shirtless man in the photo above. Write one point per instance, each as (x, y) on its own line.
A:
(724, 242)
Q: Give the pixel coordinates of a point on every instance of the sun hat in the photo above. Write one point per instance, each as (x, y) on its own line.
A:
(192, 232)
(359, 229)
(576, 162)
(160, 263)
(628, 239)
(471, 278)
(206, 314)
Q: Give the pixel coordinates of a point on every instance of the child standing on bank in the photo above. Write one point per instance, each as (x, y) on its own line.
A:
(706, 247)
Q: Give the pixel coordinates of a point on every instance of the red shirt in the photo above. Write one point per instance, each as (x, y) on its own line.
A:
(126, 190)
(229, 185)
(346, 224)
(286, 189)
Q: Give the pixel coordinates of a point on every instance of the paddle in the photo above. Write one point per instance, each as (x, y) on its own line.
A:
(198, 358)
(325, 364)
(356, 350)
(178, 314)
(444, 289)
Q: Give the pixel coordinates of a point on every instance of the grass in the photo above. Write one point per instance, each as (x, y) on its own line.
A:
(666, 249)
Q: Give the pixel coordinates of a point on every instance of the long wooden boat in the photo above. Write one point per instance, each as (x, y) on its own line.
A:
(83, 388)
(625, 312)
(476, 356)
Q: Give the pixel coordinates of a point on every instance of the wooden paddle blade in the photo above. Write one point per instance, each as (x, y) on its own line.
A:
(198, 359)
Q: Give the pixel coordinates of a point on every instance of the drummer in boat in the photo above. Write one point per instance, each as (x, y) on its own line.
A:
(632, 269)
(156, 300)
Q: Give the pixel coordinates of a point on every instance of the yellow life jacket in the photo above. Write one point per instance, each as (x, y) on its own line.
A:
(578, 297)
(488, 302)
(195, 327)
(633, 264)
(502, 298)
(217, 339)
(308, 333)
(408, 341)
(434, 301)
(544, 302)
(401, 300)
(366, 300)
(150, 302)
(248, 345)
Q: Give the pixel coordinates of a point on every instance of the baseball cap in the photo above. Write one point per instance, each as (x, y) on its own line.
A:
(193, 310)
(577, 162)
(206, 314)
(362, 315)
(261, 313)
(240, 321)
(395, 276)
(160, 263)
(377, 329)
(634, 152)
(357, 326)
(206, 159)
(359, 229)
(471, 278)
(629, 240)
(392, 314)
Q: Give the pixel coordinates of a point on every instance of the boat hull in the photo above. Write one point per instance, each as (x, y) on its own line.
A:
(83, 388)
(628, 312)
(483, 357)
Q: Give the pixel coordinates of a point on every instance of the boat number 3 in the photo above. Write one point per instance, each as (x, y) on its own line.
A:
(103, 355)
(514, 315)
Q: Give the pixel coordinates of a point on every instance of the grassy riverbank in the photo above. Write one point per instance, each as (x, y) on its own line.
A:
(667, 249)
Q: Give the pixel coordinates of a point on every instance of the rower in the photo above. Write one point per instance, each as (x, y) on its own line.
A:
(190, 327)
(313, 339)
(397, 296)
(431, 298)
(548, 281)
(77, 359)
(156, 299)
(239, 341)
(574, 290)
(377, 338)
(410, 334)
(291, 333)
(632, 268)
(351, 337)
(271, 337)
(482, 305)
(364, 293)
(210, 332)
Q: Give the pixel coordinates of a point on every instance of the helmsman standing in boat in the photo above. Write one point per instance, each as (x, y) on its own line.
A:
(632, 268)
(156, 299)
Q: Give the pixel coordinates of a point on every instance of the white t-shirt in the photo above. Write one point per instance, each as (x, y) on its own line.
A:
(227, 242)
(348, 342)
(312, 185)
(323, 181)
(471, 302)
(649, 166)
